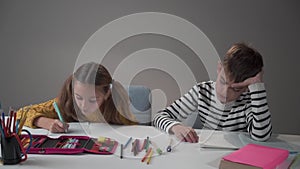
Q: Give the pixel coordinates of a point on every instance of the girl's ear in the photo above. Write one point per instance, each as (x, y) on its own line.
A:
(108, 93)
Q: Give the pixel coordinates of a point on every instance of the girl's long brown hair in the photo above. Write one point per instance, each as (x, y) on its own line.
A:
(115, 109)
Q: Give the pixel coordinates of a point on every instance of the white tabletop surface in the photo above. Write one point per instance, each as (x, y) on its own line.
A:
(182, 156)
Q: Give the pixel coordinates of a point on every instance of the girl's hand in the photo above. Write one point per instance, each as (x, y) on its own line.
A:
(58, 127)
(185, 133)
(53, 125)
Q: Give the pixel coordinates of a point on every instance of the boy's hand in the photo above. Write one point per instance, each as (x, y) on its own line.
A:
(252, 80)
(185, 133)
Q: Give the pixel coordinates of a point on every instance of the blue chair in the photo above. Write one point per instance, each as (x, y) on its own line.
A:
(140, 99)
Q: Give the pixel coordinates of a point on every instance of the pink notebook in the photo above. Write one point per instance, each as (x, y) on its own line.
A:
(257, 156)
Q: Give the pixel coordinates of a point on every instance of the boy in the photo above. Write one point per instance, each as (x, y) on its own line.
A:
(235, 102)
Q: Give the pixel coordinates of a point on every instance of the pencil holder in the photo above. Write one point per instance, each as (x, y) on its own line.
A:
(12, 151)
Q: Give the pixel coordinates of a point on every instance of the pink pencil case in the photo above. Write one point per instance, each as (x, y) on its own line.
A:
(42, 144)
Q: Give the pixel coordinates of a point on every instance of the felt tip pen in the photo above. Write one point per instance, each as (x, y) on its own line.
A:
(59, 114)
(169, 148)
(127, 142)
(121, 152)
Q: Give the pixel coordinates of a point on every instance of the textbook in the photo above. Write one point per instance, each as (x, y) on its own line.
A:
(253, 156)
(68, 144)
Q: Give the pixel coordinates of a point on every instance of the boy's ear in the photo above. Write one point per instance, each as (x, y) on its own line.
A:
(219, 67)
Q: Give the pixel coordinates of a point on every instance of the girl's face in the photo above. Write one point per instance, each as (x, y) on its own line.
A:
(88, 97)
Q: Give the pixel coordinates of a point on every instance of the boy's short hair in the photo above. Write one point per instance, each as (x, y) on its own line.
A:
(242, 62)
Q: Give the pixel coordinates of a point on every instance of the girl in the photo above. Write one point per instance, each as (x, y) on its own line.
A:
(90, 94)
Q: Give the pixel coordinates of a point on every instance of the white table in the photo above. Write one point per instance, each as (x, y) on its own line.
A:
(183, 155)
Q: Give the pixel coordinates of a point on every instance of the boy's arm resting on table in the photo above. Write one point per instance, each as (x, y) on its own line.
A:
(178, 111)
(258, 116)
(163, 121)
(171, 117)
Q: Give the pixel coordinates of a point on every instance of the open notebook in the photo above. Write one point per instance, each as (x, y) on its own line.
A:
(219, 139)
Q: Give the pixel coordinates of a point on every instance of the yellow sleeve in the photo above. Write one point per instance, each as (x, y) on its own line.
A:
(128, 121)
(45, 109)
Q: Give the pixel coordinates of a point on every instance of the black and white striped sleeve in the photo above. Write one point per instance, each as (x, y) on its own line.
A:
(258, 116)
(177, 111)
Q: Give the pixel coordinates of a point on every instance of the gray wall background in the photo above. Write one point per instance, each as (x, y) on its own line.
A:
(40, 41)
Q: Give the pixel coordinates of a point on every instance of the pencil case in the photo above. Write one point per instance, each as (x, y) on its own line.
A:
(66, 144)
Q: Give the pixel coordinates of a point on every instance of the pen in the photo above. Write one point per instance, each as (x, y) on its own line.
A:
(59, 114)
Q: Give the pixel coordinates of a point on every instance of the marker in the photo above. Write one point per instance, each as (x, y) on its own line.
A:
(169, 148)
(127, 142)
(147, 154)
(59, 115)
(147, 143)
(14, 121)
(150, 156)
(3, 124)
(158, 150)
(121, 155)
(2, 131)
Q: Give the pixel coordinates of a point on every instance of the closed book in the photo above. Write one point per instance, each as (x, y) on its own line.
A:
(253, 156)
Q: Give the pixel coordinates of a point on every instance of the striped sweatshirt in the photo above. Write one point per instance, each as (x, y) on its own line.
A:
(249, 113)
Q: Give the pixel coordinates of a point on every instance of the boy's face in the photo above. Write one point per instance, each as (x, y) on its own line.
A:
(226, 93)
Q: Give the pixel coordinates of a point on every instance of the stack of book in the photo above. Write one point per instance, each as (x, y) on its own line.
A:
(253, 156)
